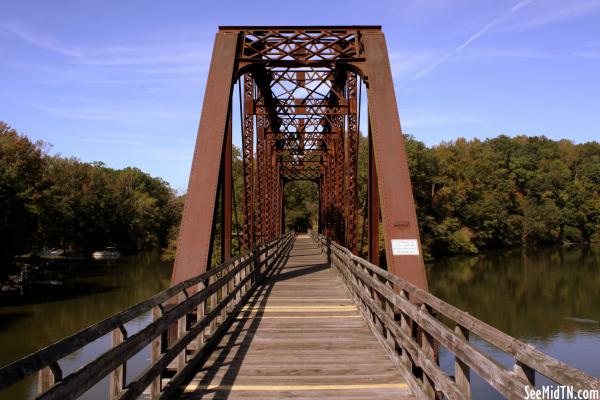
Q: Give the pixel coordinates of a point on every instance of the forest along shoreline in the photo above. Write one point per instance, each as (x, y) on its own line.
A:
(470, 195)
(57, 211)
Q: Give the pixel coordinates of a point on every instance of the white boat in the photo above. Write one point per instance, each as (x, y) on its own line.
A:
(109, 252)
(52, 253)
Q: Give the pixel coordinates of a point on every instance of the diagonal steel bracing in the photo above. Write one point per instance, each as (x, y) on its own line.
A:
(300, 89)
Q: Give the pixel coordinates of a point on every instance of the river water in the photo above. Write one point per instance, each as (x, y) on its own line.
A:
(547, 297)
(90, 293)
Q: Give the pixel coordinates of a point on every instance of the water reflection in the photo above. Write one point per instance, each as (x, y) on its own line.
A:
(547, 297)
(89, 293)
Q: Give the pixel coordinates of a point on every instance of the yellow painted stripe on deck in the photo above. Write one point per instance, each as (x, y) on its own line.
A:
(299, 308)
(276, 298)
(296, 311)
(306, 306)
(192, 387)
(305, 316)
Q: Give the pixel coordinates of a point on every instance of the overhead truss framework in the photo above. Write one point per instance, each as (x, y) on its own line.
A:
(300, 99)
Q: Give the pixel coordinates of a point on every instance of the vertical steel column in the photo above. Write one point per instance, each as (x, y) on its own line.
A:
(320, 222)
(352, 165)
(248, 159)
(328, 189)
(373, 206)
(397, 203)
(226, 195)
(282, 221)
(260, 180)
(271, 190)
(275, 201)
(196, 226)
(339, 188)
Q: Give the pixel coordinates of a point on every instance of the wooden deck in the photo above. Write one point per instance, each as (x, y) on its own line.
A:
(279, 323)
(300, 336)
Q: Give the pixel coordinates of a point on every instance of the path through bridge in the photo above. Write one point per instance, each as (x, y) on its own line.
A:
(299, 336)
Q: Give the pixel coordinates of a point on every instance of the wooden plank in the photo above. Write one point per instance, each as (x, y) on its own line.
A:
(141, 381)
(119, 375)
(462, 372)
(409, 345)
(288, 343)
(45, 357)
(526, 354)
(45, 380)
(495, 374)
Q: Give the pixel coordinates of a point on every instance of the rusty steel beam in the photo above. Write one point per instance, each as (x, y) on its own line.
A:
(196, 226)
(226, 194)
(351, 189)
(373, 205)
(338, 209)
(248, 161)
(260, 182)
(300, 112)
(396, 199)
(271, 190)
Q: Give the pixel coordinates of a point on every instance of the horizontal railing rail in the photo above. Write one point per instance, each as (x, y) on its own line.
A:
(403, 318)
(188, 319)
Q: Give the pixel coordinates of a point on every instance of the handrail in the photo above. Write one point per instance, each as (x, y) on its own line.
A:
(213, 294)
(383, 297)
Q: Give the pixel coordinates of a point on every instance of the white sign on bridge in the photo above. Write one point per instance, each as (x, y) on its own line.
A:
(405, 247)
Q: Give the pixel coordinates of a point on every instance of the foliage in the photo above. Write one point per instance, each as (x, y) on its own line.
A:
(21, 169)
(505, 192)
(51, 201)
(301, 205)
(470, 194)
(475, 194)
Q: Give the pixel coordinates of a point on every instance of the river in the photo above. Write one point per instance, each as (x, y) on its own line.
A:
(89, 293)
(548, 297)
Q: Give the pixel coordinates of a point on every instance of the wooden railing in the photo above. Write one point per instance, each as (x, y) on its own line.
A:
(188, 320)
(404, 319)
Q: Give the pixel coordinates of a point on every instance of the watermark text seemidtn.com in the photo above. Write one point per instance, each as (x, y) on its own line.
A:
(560, 392)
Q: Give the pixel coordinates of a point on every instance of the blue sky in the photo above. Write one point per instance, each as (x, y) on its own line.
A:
(123, 81)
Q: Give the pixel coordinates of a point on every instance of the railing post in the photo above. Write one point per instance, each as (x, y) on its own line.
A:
(213, 304)
(525, 372)
(156, 350)
(181, 329)
(48, 376)
(389, 308)
(428, 349)
(255, 266)
(200, 313)
(224, 290)
(241, 291)
(262, 257)
(228, 289)
(45, 380)
(118, 376)
(462, 372)
(405, 326)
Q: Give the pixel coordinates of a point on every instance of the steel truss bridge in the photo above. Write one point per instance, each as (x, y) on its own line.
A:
(297, 316)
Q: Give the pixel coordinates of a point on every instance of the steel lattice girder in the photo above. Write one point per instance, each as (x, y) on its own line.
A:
(248, 159)
(300, 110)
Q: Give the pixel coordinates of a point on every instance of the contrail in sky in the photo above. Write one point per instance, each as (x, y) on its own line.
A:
(467, 42)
